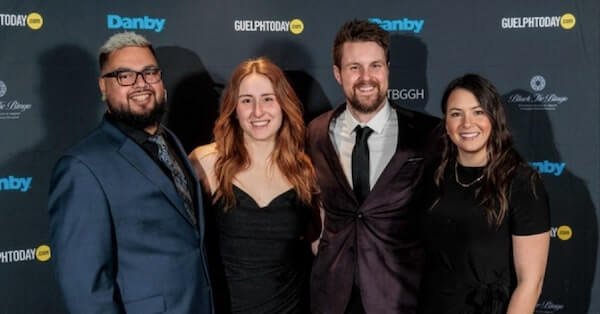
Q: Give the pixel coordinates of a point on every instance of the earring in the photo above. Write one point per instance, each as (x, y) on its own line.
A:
(166, 96)
(103, 97)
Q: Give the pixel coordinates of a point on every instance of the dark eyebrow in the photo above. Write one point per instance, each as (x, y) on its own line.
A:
(121, 69)
(151, 67)
(148, 67)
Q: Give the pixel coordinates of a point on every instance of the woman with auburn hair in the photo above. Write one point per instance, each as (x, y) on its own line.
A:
(263, 193)
(487, 233)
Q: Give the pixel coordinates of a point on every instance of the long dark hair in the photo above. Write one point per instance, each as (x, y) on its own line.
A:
(503, 159)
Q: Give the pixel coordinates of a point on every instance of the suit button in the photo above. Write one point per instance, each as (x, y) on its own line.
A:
(359, 215)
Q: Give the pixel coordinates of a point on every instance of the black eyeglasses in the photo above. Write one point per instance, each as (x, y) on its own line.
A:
(129, 77)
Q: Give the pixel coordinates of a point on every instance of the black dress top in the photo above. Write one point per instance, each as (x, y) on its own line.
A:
(264, 260)
(469, 263)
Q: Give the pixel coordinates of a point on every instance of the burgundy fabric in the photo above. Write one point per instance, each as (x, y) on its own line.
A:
(383, 230)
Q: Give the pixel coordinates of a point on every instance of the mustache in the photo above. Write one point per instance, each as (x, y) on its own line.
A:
(360, 83)
(143, 89)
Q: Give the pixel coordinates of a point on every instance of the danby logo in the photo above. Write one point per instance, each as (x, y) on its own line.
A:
(555, 168)
(399, 25)
(115, 21)
(11, 183)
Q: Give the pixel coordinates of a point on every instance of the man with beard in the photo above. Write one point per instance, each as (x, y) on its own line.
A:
(125, 207)
(370, 157)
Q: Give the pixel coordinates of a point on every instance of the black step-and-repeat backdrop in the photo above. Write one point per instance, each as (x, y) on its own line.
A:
(542, 55)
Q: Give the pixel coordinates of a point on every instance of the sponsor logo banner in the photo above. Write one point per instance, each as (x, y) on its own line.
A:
(32, 20)
(11, 183)
(406, 94)
(114, 21)
(41, 254)
(548, 307)
(399, 25)
(10, 109)
(563, 232)
(295, 26)
(565, 21)
(548, 167)
(537, 99)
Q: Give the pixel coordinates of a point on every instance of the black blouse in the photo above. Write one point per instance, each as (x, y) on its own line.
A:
(469, 264)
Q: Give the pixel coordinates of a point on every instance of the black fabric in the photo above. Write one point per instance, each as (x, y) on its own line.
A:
(355, 305)
(265, 260)
(360, 163)
(469, 264)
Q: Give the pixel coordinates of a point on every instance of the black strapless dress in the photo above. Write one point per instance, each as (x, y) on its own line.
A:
(260, 262)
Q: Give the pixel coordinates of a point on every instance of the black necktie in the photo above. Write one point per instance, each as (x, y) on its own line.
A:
(181, 184)
(360, 163)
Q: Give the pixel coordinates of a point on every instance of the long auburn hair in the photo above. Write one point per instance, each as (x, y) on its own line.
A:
(503, 159)
(288, 154)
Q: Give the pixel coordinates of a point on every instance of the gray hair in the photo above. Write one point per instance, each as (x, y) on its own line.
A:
(122, 40)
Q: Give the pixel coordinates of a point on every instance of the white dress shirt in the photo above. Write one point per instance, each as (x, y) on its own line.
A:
(382, 142)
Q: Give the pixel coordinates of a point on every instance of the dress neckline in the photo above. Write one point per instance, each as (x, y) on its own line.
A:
(273, 200)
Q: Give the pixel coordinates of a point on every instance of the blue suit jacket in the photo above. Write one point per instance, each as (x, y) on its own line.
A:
(121, 239)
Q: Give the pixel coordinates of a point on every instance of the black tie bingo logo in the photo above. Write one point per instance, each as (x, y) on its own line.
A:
(10, 109)
(33, 20)
(541, 96)
(2, 89)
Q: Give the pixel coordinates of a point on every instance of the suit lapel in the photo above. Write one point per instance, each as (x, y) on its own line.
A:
(402, 154)
(140, 160)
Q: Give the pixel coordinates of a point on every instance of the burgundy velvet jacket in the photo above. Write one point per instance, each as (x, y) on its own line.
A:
(381, 235)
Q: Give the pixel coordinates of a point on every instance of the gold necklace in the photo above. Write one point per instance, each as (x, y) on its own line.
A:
(465, 185)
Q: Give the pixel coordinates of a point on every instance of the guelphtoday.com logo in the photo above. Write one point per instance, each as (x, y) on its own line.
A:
(32, 20)
(294, 26)
(566, 21)
(41, 253)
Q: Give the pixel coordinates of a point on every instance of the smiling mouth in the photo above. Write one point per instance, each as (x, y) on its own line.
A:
(259, 123)
(366, 89)
(141, 97)
(469, 135)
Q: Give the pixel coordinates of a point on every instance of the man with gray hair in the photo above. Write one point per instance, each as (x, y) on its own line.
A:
(125, 207)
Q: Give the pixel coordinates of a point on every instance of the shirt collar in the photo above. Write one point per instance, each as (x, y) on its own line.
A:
(377, 123)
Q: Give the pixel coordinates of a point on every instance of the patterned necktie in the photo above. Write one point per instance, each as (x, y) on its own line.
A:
(360, 163)
(181, 184)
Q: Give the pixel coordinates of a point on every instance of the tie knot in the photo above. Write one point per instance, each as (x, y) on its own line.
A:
(363, 133)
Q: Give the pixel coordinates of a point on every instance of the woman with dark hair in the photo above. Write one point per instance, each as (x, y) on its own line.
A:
(487, 233)
(263, 192)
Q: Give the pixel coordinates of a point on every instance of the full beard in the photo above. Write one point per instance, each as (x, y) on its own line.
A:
(366, 106)
(139, 121)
